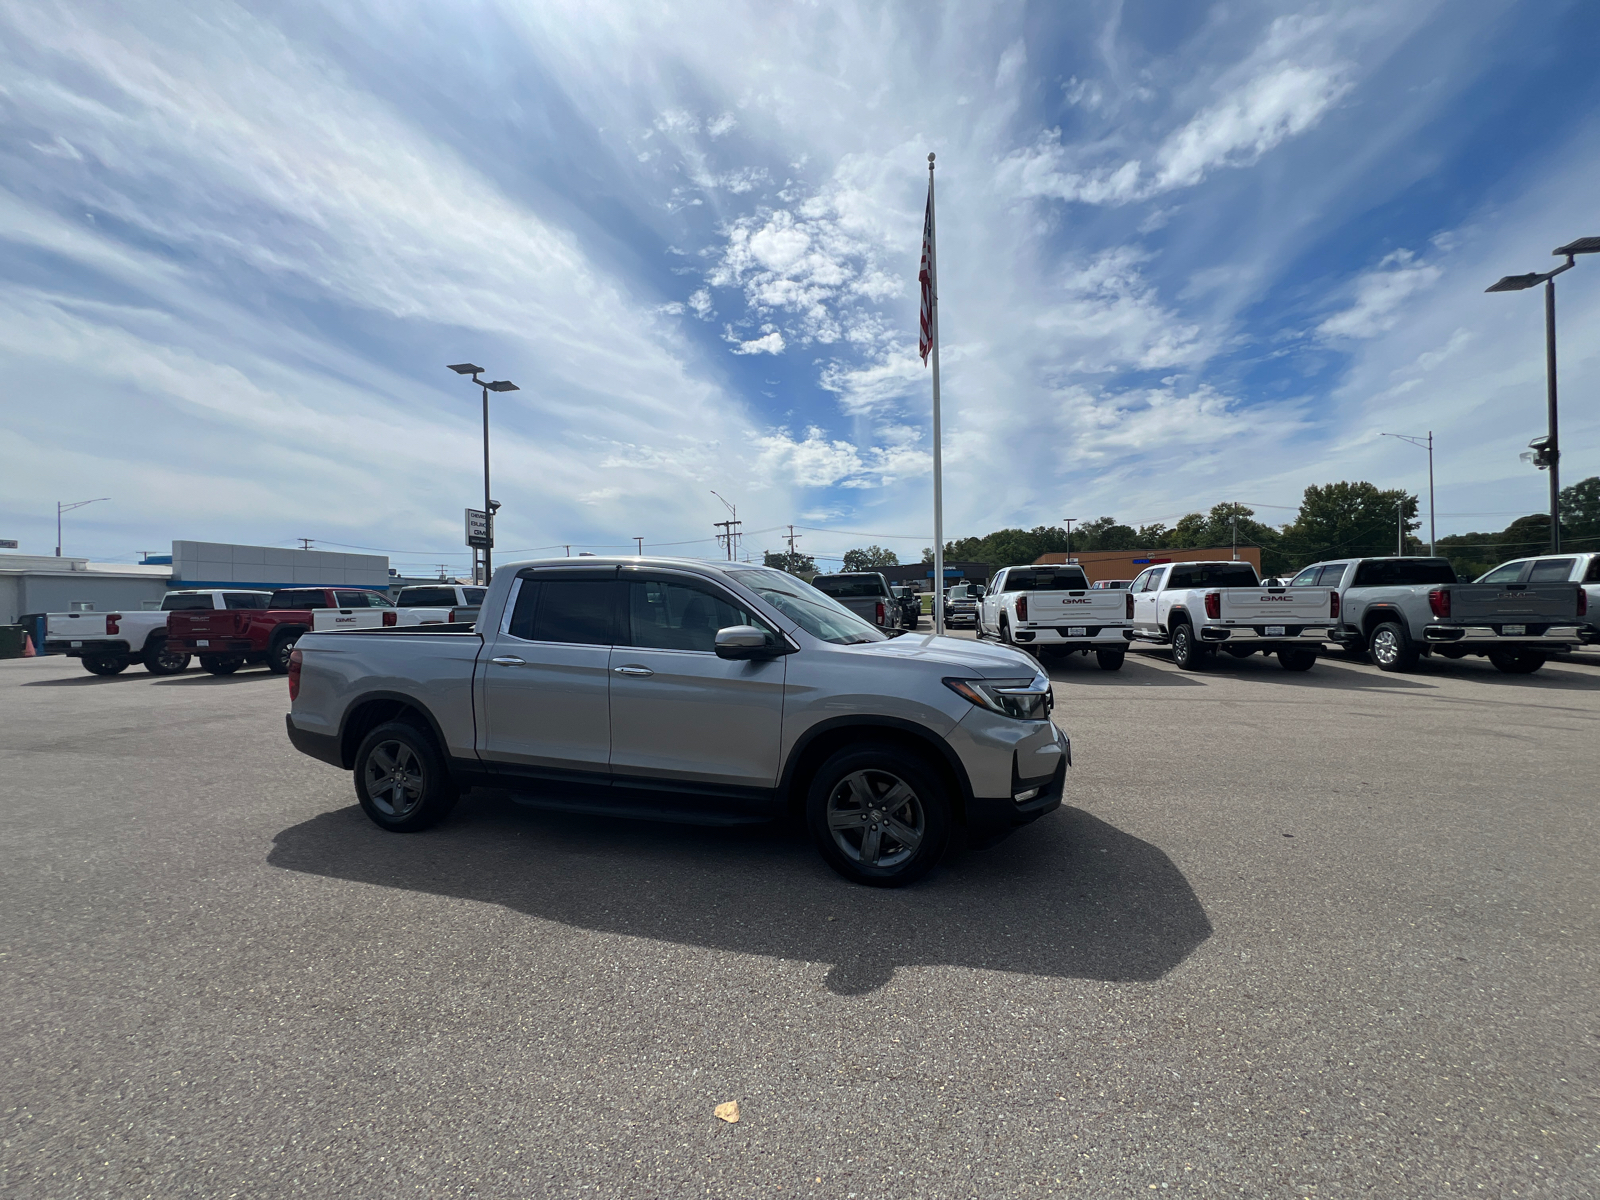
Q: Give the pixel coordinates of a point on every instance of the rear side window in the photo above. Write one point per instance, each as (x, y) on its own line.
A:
(1594, 570)
(429, 597)
(244, 599)
(665, 614)
(298, 599)
(576, 611)
(473, 595)
(1306, 578)
(1046, 581)
(352, 599)
(1332, 575)
(185, 603)
(1552, 570)
(1408, 572)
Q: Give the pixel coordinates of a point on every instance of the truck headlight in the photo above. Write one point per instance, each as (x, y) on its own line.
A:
(1021, 699)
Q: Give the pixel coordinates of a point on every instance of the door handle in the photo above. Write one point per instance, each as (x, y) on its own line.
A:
(509, 660)
(633, 670)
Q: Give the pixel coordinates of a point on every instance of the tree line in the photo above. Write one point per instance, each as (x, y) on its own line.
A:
(1335, 520)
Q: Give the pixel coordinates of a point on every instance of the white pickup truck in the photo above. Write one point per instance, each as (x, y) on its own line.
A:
(1052, 610)
(108, 643)
(439, 604)
(1200, 607)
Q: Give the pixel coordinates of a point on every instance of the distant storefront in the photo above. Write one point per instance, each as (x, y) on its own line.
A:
(1125, 564)
(920, 575)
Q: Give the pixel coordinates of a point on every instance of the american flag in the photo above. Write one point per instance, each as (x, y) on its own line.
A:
(925, 278)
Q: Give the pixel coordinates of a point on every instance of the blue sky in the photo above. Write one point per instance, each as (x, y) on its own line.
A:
(1188, 254)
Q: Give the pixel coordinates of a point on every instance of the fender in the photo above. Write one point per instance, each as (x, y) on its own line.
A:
(458, 766)
(900, 725)
(1383, 612)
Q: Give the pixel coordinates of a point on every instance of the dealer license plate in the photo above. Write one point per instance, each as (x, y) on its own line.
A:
(1077, 631)
(1513, 630)
(202, 642)
(1274, 630)
(77, 645)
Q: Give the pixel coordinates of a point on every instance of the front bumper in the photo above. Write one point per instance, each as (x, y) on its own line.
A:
(1007, 759)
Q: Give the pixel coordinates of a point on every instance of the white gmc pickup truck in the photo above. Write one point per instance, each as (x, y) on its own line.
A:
(438, 604)
(1052, 610)
(109, 643)
(1200, 607)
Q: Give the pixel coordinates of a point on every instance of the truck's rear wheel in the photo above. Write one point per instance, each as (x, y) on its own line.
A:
(1392, 649)
(1186, 651)
(104, 664)
(878, 815)
(1110, 660)
(220, 664)
(1516, 662)
(1297, 660)
(158, 660)
(401, 779)
(278, 651)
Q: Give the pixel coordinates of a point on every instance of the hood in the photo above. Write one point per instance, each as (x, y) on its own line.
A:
(978, 658)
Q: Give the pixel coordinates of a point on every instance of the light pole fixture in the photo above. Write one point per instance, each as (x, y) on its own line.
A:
(489, 506)
(1068, 521)
(1425, 444)
(66, 508)
(1547, 450)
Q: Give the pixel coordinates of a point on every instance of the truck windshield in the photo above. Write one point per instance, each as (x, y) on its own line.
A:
(848, 586)
(1047, 581)
(429, 597)
(819, 615)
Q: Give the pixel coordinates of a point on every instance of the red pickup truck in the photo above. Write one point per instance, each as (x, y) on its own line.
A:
(226, 641)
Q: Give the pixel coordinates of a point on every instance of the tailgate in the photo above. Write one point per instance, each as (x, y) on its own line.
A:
(70, 626)
(1491, 603)
(324, 619)
(1291, 606)
(201, 623)
(1090, 608)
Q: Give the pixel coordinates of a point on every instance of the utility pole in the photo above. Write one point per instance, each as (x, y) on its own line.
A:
(640, 541)
(793, 538)
(1400, 534)
(569, 549)
(1424, 444)
(1234, 521)
(730, 527)
(305, 543)
(1069, 521)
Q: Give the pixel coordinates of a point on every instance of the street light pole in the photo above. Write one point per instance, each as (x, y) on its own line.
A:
(1069, 521)
(66, 508)
(1420, 443)
(1547, 452)
(489, 506)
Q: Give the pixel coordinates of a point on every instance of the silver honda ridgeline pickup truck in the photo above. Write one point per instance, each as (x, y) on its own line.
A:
(683, 690)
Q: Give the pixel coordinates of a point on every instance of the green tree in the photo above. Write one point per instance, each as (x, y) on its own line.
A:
(1104, 533)
(1580, 515)
(1355, 519)
(795, 563)
(871, 559)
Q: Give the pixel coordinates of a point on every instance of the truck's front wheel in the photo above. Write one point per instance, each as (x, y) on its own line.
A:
(401, 779)
(158, 660)
(1186, 651)
(879, 815)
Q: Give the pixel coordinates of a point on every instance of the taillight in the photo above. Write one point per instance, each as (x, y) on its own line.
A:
(1583, 602)
(111, 622)
(1022, 608)
(1214, 605)
(241, 623)
(294, 675)
(880, 612)
(1333, 604)
(1439, 602)
(1129, 595)
(390, 617)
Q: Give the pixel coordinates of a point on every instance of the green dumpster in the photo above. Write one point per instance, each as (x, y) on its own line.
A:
(12, 640)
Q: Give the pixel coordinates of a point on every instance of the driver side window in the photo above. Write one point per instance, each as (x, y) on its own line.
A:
(671, 614)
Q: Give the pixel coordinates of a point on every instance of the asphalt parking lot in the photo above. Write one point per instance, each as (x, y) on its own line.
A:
(1323, 934)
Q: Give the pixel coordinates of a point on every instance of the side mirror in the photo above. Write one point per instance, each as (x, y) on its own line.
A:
(743, 642)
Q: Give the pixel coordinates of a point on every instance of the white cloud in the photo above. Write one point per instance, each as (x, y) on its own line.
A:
(818, 461)
(1379, 295)
(767, 343)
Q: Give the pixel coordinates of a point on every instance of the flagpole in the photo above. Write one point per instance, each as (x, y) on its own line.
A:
(938, 440)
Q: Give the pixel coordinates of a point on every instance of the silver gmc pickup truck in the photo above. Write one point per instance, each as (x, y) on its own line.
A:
(684, 690)
(1402, 608)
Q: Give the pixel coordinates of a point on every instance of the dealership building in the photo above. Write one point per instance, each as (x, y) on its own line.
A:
(33, 584)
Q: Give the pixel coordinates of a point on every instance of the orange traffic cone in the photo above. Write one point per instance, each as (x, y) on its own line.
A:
(27, 646)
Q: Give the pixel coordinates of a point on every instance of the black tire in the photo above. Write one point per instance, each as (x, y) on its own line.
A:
(1516, 662)
(1110, 660)
(279, 649)
(885, 854)
(104, 664)
(220, 664)
(401, 779)
(1297, 660)
(1186, 651)
(1355, 651)
(1392, 648)
(1239, 651)
(158, 661)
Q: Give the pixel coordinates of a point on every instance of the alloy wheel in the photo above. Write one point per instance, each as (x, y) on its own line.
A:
(394, 778)
(1385, 647)
(876, 818)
